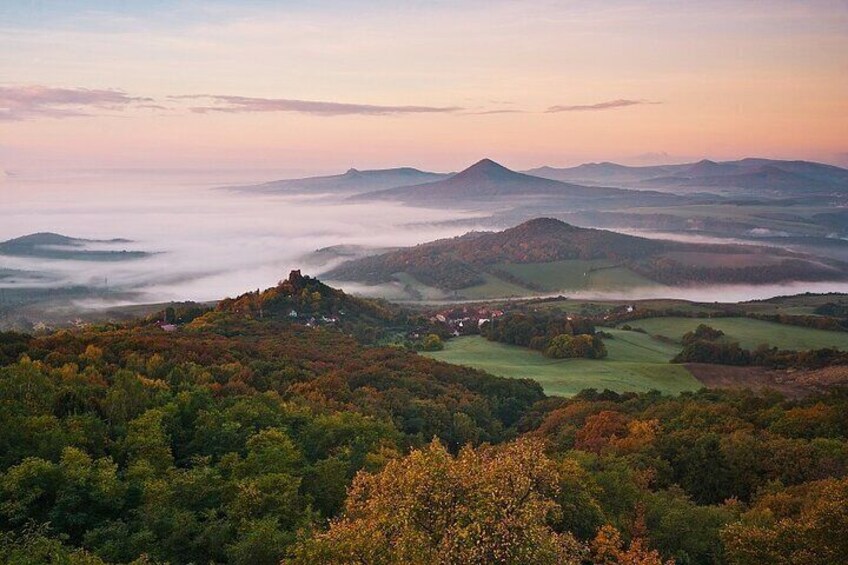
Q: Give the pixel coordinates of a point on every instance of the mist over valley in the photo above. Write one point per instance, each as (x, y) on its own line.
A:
(133, 237)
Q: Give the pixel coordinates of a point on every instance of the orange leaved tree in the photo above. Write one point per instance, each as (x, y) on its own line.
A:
(489, 505)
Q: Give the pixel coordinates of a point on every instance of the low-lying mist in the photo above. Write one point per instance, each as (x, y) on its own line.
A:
(206, 243)
(726, 293)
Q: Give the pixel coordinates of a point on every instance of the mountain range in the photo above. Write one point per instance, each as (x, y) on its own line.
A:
(590, 184)
(760, 177)
(351, 182)
(483, 180)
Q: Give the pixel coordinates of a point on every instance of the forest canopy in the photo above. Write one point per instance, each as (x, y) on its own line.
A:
(249, 436)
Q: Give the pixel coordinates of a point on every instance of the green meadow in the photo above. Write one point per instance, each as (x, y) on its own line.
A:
(748, 332)
(636, 362)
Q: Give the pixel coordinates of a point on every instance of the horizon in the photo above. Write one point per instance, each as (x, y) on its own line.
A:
(256, 174)
(297, 88)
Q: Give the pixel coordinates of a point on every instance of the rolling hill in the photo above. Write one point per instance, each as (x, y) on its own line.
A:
(547, 255)
(352, 182)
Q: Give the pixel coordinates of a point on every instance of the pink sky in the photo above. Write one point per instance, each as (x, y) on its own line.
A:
(433, 85)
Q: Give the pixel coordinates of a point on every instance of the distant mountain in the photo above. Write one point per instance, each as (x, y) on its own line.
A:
(763, 180)
(548, 255)
(602, 173)
(47, 245)
(769, 177)
(706, 168)
(809, 169)
(351, 182)
(487, 180)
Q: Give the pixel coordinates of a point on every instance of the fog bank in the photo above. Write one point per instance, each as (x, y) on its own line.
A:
(207, 243)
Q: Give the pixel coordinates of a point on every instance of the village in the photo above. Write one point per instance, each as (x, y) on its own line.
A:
(464, 320)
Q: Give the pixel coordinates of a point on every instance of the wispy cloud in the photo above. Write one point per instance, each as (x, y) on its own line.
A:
(502, 111)
(608, 105)
(239, 104)
(32, 101)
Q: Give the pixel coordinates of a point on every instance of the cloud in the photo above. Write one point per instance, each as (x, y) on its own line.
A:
(29, 102)
(238, 104)
(608, 105)
(488, 112)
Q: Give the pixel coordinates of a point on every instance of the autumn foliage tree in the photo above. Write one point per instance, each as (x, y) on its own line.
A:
(793, 527)
(608, 548)
(490, 505)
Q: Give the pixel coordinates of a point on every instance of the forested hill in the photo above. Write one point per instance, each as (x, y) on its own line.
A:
(215, 442)
(301, 296)
(459, 262)
(304, 300)
(462, 262)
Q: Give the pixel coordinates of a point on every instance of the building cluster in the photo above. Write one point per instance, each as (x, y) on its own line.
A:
(463, 320)
(314, 321)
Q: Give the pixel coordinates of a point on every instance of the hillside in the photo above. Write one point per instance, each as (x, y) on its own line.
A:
(304, 299)
(215, 442)
(55, 246)
(548, 255)
(351, 182)
(487, 181)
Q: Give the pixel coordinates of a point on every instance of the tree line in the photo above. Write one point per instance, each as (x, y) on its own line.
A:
(554, 334)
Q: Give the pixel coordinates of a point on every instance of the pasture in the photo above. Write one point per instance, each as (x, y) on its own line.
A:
(636, 363)
(748, 332)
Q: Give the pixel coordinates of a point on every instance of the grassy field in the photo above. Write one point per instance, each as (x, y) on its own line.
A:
(577, 275)
(493, 288)
(636, 362)
(748, 332)
(803, 304)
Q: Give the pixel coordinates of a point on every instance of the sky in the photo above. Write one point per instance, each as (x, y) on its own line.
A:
(318, 87)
